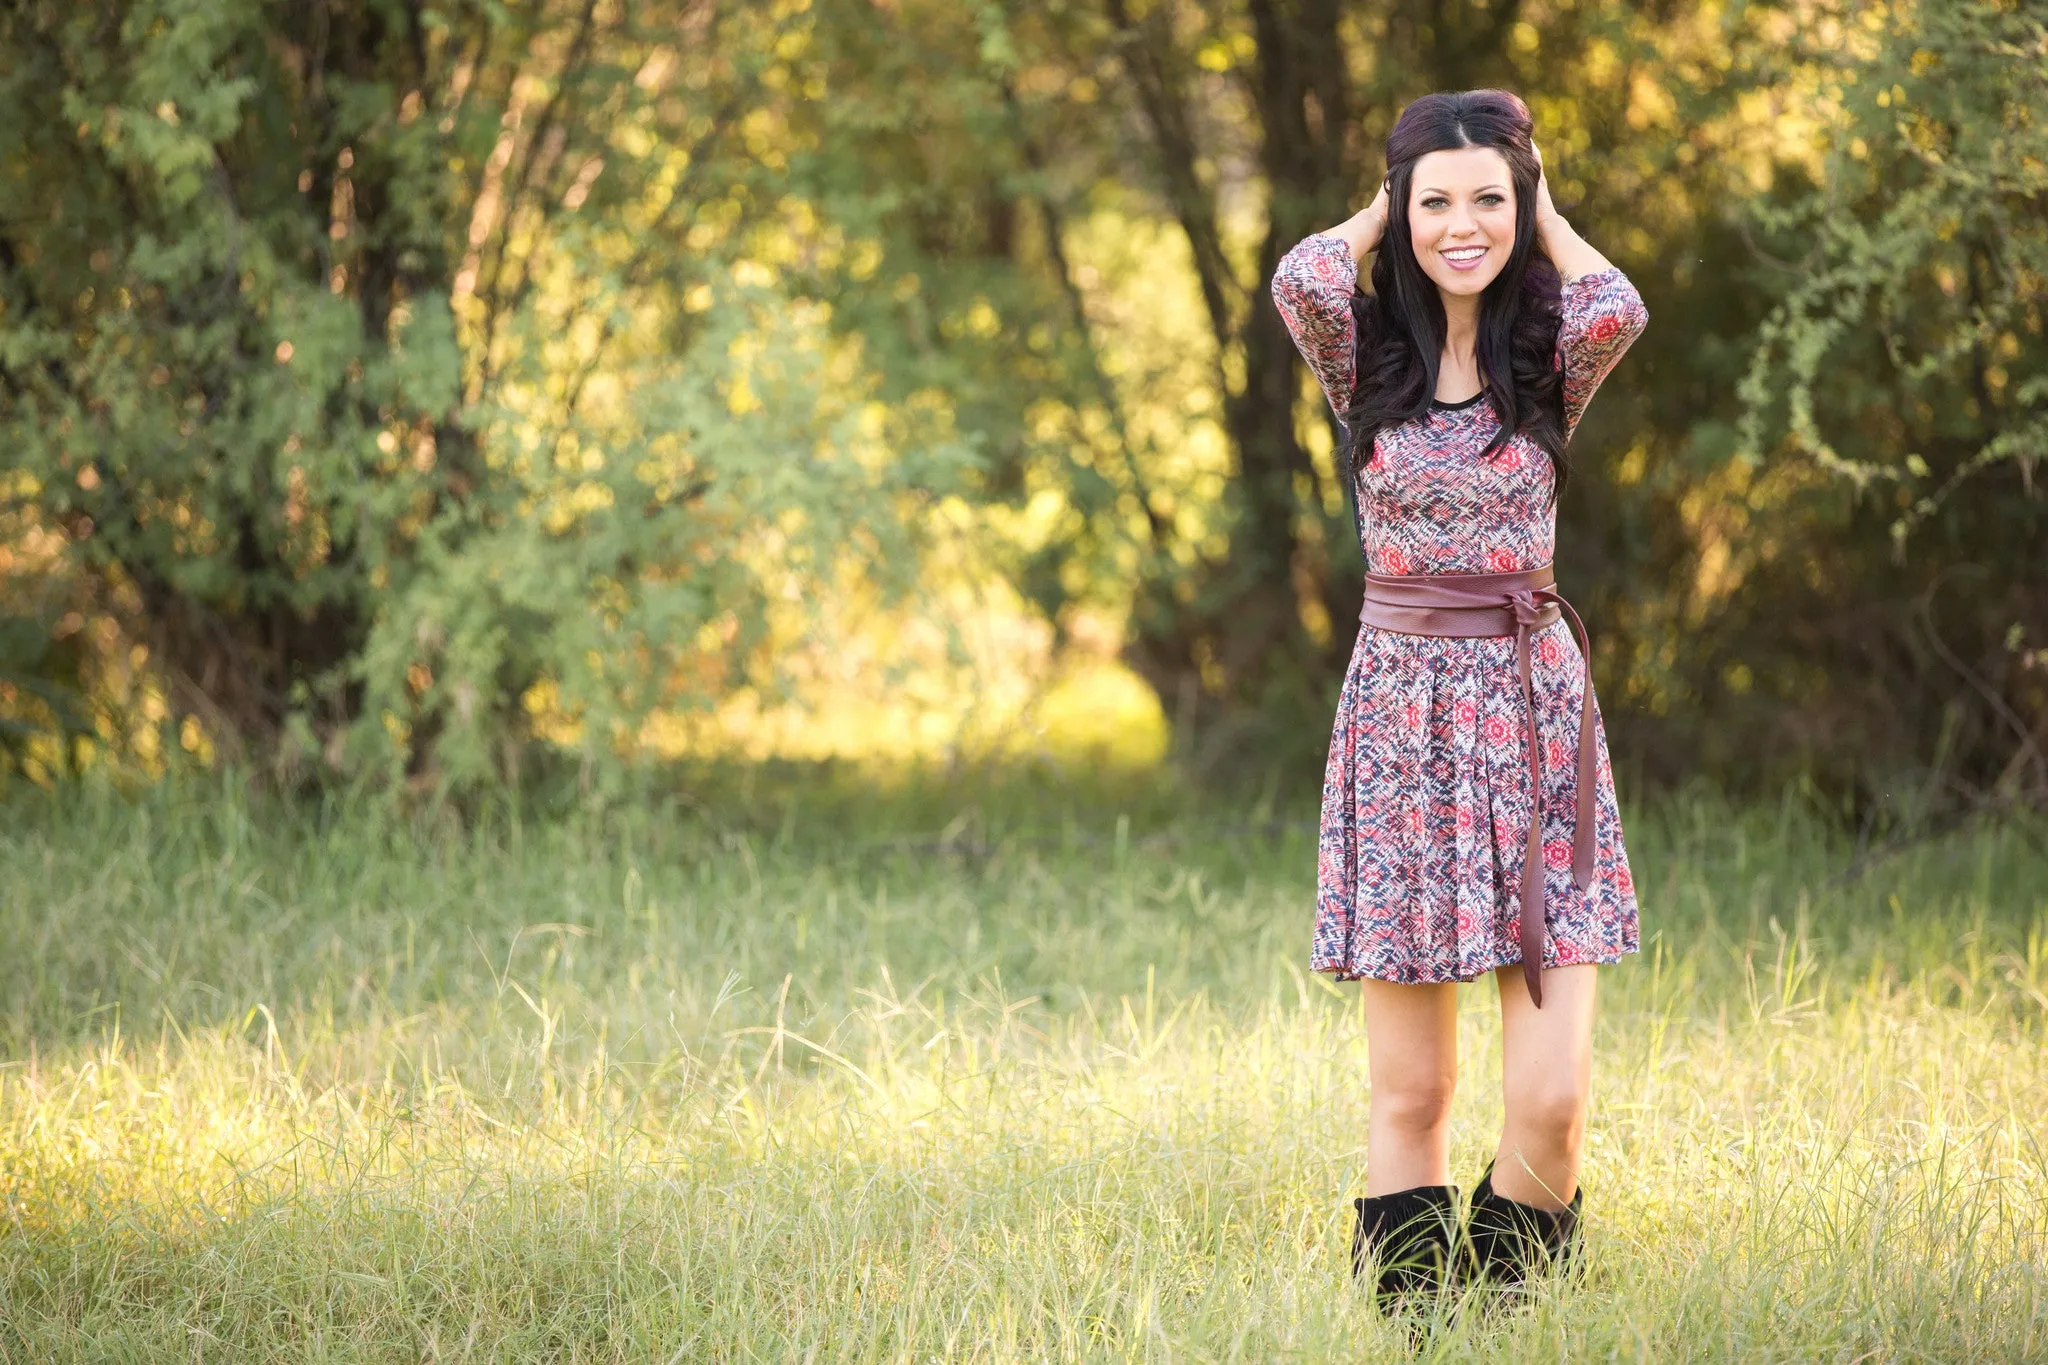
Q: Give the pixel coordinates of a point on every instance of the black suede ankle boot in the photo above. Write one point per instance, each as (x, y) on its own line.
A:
(1409, 1235)
(1507, 1241)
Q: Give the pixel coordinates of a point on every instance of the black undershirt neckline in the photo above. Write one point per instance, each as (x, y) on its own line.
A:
(1442, 406)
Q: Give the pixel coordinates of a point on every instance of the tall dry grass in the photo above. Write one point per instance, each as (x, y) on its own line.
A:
(804, 1086)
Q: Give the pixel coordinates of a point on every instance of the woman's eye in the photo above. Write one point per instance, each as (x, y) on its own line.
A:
(1435, 201)
(1493, 200)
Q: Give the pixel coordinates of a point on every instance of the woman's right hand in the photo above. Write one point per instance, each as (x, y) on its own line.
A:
(1362, 230)
(1376, 213)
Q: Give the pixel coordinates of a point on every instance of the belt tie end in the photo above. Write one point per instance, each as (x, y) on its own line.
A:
(1527, 606)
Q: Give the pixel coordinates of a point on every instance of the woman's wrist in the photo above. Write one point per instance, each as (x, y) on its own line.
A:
(1570, 253)
(1373, 222)
(1361, 232)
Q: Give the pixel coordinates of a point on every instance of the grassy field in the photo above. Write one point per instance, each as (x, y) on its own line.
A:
(824, 1082)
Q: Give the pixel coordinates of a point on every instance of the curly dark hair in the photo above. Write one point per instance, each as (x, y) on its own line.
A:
(1401, 323)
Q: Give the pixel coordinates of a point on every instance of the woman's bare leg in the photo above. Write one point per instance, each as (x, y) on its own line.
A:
(1412, 1049)
(1547, 1076)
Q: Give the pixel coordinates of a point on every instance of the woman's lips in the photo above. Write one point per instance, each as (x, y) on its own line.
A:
(1468, 258)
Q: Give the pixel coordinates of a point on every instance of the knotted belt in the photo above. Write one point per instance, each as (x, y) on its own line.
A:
(1468, 605)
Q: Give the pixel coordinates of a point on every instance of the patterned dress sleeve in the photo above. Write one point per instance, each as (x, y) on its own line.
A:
(1312, 287)
(1602, 314)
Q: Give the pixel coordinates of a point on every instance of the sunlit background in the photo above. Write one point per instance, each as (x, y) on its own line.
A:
(446, 393)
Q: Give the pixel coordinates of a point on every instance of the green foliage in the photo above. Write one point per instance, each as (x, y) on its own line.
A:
(349, 346)
(1907, 358)
(1915, 325)
(49, 678)
(946, 146)
(414, 384)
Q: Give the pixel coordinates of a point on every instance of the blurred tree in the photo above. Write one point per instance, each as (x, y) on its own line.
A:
(1907, 365)
(352, 348)
(416, 381)
(938, 150)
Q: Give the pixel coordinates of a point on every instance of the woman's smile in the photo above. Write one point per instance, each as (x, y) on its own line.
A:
(1461, 204)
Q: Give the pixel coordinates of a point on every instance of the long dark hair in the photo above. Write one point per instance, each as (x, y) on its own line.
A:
(1401, 324)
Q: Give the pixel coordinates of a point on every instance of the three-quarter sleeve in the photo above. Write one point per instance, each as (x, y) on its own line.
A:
(1312, 287)
(1601, 315)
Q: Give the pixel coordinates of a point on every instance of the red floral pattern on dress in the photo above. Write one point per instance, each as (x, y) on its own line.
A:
(1603, 329)
(1426, 796)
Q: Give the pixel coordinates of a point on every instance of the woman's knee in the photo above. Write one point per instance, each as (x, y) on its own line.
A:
(1414, 1104)
(1552, 1114)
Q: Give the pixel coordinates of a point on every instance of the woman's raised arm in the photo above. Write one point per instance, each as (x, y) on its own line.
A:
(1312, 287)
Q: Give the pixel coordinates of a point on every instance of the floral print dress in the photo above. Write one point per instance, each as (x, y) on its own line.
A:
(1426, 798)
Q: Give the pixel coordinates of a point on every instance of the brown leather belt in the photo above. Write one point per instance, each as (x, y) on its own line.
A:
(1468, 605)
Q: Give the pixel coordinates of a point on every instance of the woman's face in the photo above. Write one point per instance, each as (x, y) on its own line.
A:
(1461, 217)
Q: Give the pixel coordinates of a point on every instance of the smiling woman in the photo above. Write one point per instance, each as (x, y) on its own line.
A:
(1461, 218)
(1469, 820)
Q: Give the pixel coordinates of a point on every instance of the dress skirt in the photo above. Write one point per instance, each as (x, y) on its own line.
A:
(1426, 802)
